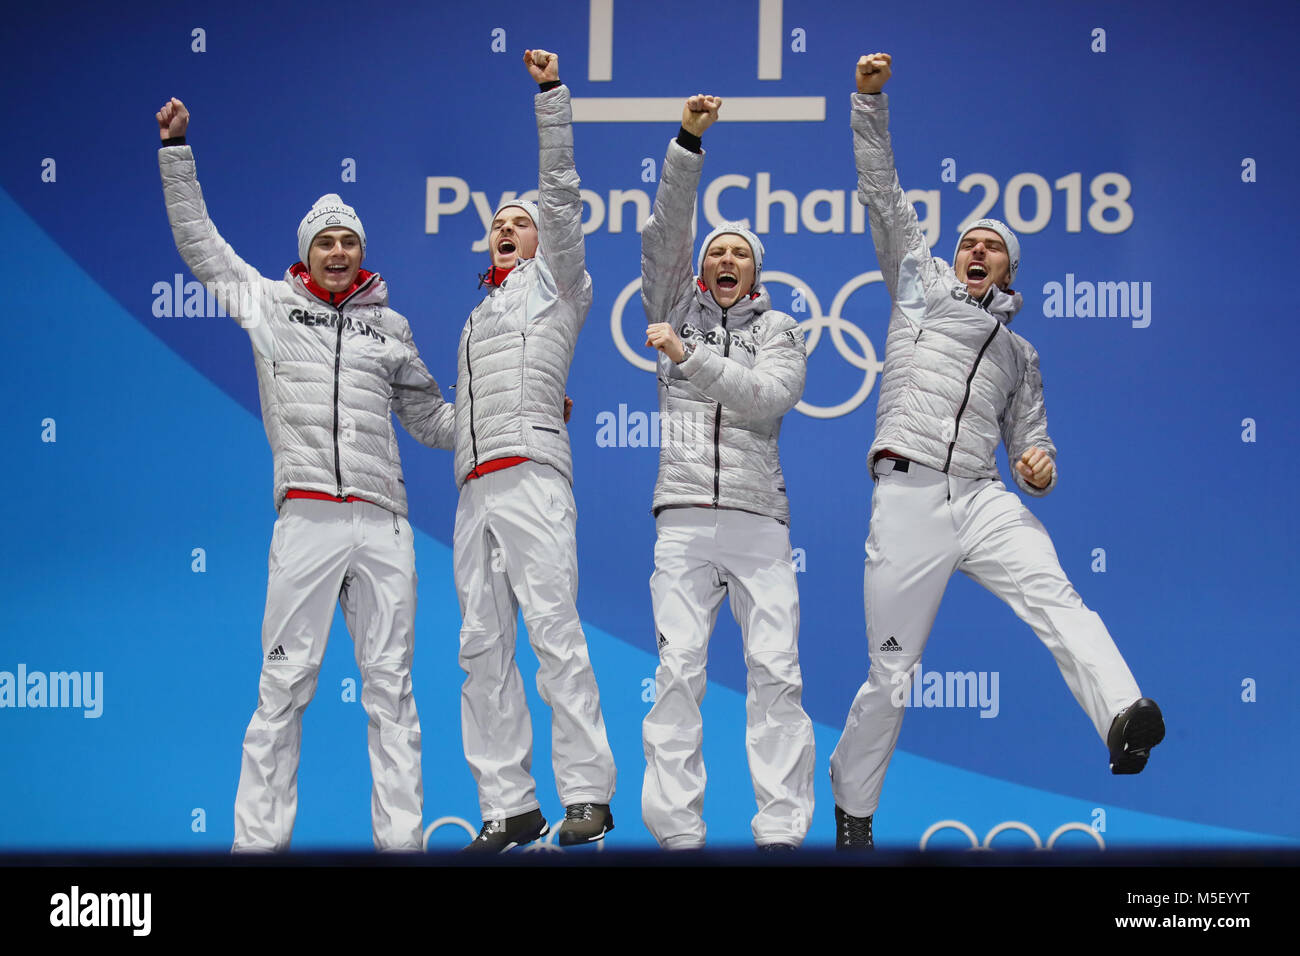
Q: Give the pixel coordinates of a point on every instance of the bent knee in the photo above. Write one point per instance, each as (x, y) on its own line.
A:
(284, 688)
(768, 668)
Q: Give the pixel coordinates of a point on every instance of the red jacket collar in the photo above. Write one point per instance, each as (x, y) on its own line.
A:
(299, 271)
(494, 276)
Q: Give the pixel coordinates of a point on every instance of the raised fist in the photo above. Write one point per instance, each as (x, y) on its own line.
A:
(873, 71)
(173, 118)
(700, 112)
(542, 66)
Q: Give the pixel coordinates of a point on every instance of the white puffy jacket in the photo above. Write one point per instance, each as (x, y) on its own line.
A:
(720, 410)
(516, 348)
(956, 377)
(329, 374)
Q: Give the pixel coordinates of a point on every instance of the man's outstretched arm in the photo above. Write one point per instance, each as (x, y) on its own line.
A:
(559, 196)
(900, 243)
(666, 270)
(238, 286)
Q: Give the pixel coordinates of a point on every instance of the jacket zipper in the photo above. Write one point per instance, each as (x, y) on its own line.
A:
(966, 398)
(469, 385)
(338, 361)
(717, 419)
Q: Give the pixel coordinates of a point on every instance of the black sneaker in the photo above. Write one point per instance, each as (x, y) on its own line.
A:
(776, 848)
(585, 823)
(498, 836)
(1135, 730)
(852, 833)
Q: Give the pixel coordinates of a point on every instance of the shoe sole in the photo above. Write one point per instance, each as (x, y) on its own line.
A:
(546, 828)
(566, 840)
(532, 839)
(1144, 730)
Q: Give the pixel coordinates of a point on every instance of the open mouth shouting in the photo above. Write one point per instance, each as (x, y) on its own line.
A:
(727, 269)
(512, 237)
(977, 272)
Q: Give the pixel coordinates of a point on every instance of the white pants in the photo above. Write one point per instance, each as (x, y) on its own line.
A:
(924, 526)
(360, 556)
(702, 555)
(515, 546)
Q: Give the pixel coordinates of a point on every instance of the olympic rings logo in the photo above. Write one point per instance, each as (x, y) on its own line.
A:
(1009, 825)
(452, 821)
(545, 845)
(864, 359)
(548, 844)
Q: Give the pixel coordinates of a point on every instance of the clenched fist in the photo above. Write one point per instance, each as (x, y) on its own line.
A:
(661, 336)
(873, 71)
(699, 113)
(1036, 467)
(542, 66)
(173, 118)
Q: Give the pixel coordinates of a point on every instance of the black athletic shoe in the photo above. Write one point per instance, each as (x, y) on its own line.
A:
(852, 833)
(585, 823)
(498, 836)
(1136, 729)
(776, 848)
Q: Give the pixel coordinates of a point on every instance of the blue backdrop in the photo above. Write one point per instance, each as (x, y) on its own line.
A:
(1146, 157)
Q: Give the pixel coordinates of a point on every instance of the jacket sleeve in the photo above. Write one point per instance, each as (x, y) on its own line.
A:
(666, 271)
(559, 197)
(420, 408)
(901, 249)
(1025, 424)
(768, 390)
(418, 402)
(242, 290)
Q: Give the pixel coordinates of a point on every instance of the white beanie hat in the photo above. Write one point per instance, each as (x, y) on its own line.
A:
(1008, 238)
(733, 229)
(525, 205)
(329, 212)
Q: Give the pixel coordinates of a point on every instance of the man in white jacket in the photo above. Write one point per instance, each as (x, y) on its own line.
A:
(333, 363)
(730, 368)
(956, 379)
(515, 539)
